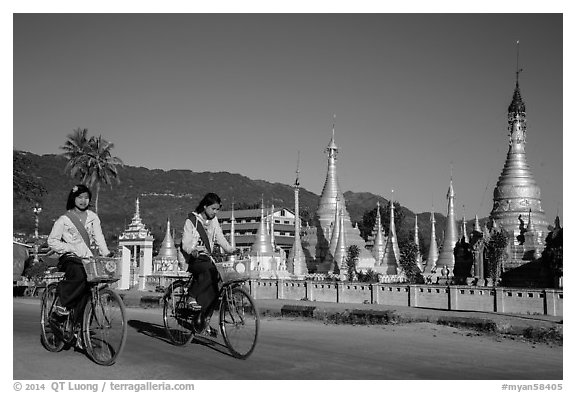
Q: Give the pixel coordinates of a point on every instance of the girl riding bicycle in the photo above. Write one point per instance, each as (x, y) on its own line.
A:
(201, 233)
(75, 235)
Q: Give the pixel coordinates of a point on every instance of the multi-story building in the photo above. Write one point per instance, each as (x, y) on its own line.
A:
(247, 222)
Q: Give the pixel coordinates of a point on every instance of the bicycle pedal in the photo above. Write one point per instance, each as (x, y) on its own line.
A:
(193, 305)
(78, 341)
(61, 311)
(212, 332)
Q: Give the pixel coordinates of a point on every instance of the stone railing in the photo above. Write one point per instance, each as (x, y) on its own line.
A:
(499, 299)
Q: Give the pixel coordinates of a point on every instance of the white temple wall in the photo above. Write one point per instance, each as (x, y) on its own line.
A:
(488, 299)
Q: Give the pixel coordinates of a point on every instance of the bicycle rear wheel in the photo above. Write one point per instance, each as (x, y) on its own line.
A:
(51, 335)
(104, 327)
(177, 316)
(239, 322)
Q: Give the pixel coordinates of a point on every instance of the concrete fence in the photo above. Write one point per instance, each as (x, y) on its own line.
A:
(500, 299)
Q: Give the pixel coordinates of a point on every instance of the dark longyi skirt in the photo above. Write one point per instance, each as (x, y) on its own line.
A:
(74, 285)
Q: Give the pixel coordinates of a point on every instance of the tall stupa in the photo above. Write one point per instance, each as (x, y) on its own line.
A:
(379, 246)
(167, 258)
(417, 242)
(327, 214)
(516, 195)
(390, 264)
(433, 250)
(296, 262)
(446, 257)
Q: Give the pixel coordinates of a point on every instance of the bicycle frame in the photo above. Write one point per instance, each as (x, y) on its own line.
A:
(236, 312)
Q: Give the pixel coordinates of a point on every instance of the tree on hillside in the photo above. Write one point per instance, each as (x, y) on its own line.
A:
(369, 219)
(91, 160)
(24, 186)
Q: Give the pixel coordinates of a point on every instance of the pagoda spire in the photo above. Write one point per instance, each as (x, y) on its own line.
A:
(464, 234)
(417, 242)
(168, 249)
(136, 228)
(326, 213)
(477, 224)
(433, 251)
(296, 258)
(392, 253)
(137, 214)
(379, 245)
(446, 257)
(262, 245)
(516, 192)
(331, 190)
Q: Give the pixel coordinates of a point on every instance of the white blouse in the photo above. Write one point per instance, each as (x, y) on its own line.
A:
(65, 237)
(191, 237)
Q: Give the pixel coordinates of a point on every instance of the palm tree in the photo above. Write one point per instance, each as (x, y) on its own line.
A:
(91, 159)
(101, 165)
(75, 149)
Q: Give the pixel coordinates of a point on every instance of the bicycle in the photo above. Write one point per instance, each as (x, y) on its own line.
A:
(103, 328)
(238, 317)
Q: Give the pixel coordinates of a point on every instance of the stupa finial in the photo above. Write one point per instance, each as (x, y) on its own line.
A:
(518, 69)
(332, 149)
(297, 181)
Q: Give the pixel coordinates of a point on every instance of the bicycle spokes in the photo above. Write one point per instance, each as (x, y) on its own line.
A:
(51, 331)
(177, 315)
(105, 327)
(239, 322)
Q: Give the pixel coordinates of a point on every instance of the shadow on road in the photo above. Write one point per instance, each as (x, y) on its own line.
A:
(158, 332)
(211, 343)
(150, 329)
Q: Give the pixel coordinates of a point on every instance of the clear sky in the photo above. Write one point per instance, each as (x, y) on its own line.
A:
(413, 95)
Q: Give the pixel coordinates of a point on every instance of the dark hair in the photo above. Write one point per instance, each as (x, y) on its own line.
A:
(209, 199)
(74, 192)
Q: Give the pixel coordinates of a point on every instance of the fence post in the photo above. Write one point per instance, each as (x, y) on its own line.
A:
(498, 299)
(550, 302)
(254, 287)
(452, 298)
(310, 290)
(412, 296)
(279, 289)
(376, 289)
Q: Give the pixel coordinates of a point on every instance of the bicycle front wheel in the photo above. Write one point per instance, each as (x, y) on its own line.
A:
(177, 316)
(51, 334)
(239, 322)
(105, 327)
